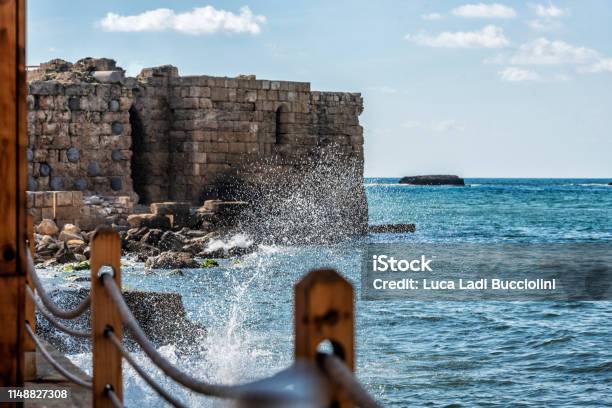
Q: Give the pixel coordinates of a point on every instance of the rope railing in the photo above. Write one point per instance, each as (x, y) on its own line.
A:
(46, 299)
(146, 377)
(54, 363)
(128, 319)
(344, 378)
(52, 320)
(323, 311)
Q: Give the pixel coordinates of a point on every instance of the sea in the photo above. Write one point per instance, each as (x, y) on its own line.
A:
(409, 353)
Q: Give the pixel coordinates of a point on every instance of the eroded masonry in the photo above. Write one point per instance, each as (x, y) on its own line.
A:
(164, 137)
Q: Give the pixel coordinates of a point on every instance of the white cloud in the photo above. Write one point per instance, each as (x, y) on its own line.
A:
(489, 37)
(550, 11)
(200, 20)
(542, 51)
(548, 17)
(440, 126)
(431, 16)
(552, 53)
(544, 25)
(514, 74)
(383, 89)
(482, 10)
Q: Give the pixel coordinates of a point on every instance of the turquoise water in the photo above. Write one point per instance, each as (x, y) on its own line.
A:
(439, 354)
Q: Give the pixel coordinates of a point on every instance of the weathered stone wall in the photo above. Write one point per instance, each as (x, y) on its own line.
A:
(68, 206)
(164, 137)
(79, 137)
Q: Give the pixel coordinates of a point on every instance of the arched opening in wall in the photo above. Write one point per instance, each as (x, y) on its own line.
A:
(137, 165)
(282, 120)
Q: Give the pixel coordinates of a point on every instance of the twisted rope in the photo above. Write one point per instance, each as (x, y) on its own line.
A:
(48, 302)
(214, 390)
(113, 397)
(344, 378)
(52, 320)
(56, 365)
(156, 387)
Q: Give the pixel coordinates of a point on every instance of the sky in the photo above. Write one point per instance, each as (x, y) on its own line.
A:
(478, 89)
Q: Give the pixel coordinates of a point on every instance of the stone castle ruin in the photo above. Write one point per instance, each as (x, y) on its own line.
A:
(101, 139)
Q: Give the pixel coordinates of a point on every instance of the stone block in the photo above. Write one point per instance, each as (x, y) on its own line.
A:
(149, 221)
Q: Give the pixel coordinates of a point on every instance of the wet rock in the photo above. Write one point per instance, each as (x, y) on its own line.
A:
(142, 251)
(65, 255)
(172, 260)
(136, 234)
(161, 316)
(148, 220)
(47, 227)
(433, 180)
(152, 237)
(176, 272)
(170, 241)
(392, 228)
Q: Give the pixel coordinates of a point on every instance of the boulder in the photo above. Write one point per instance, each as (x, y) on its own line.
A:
(148, 220)
(136, 234)
(65, 255)
(66, 236)
(71, 229)
(161, 315)
(47, 227)
(76, 245)
(152, 237)
(170, 241)
(172, 260)
(392, 228)
(433, 180)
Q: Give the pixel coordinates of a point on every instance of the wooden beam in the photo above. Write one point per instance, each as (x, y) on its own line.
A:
(324, 311)
(105, 251)
(12, 191)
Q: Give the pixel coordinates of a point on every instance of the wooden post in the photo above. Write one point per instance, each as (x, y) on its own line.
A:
(105, 251)
(30, 313)
(12, 192)
(324, 311)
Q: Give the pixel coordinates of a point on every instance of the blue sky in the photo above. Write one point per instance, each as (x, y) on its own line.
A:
(479, 89)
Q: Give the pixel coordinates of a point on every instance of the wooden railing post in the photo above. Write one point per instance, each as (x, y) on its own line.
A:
(30, 313)
(12, 192)
(105, 251)
(324, 311)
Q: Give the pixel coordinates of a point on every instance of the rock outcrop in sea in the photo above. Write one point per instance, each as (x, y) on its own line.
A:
(433, 180)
